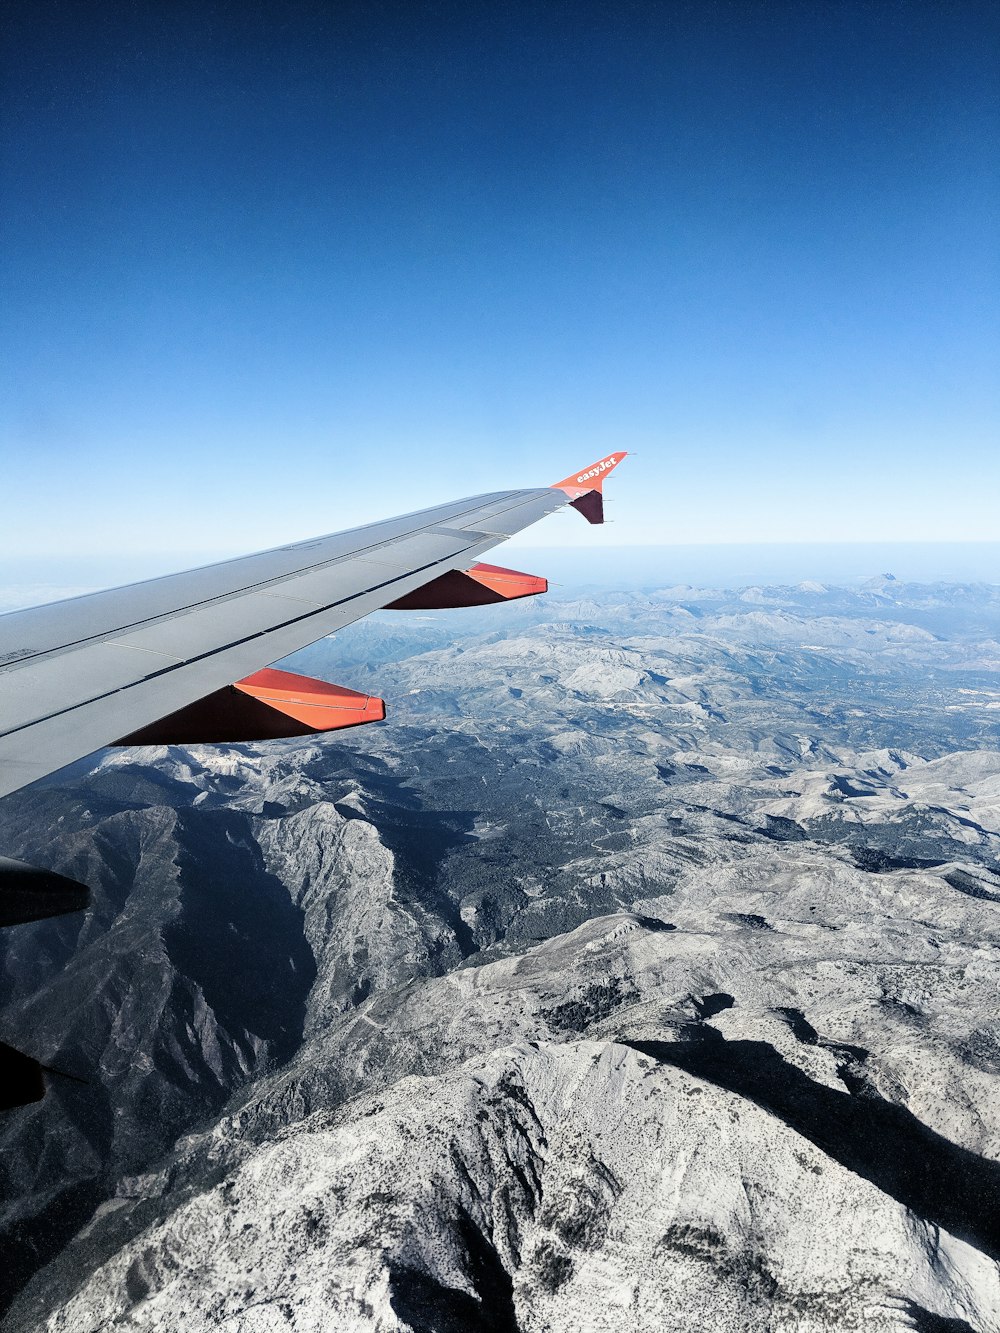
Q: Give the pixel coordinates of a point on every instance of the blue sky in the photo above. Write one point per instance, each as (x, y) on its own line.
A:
(274, 269)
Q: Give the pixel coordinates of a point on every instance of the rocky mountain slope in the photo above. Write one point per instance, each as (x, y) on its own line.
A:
(641, 972)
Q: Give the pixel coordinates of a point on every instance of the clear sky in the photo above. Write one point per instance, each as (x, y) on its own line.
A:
(272, 269)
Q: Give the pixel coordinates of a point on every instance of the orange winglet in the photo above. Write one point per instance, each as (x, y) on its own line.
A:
(589, 478)
(478, 586)
(586, 488)
(265, 706)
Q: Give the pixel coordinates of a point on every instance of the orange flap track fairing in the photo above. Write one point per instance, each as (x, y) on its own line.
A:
(479, 585)
(265, 706)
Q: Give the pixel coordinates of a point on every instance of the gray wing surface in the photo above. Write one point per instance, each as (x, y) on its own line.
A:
(76, 675)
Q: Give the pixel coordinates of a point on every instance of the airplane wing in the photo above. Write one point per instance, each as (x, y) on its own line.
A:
(184, 659)
(180, 658)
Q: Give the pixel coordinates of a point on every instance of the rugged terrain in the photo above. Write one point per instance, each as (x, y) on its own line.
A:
(640, 972)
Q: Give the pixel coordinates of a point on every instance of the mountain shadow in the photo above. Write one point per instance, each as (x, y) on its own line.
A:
(885, 1143)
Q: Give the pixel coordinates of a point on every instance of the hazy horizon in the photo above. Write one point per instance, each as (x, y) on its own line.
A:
(30, 581)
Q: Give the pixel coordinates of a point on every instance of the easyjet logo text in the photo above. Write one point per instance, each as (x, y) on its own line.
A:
(597, 469)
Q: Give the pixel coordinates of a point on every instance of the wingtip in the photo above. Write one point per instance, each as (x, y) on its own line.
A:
(589, 478)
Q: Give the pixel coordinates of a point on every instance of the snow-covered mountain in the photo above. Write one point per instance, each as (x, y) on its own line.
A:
(641, 972)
